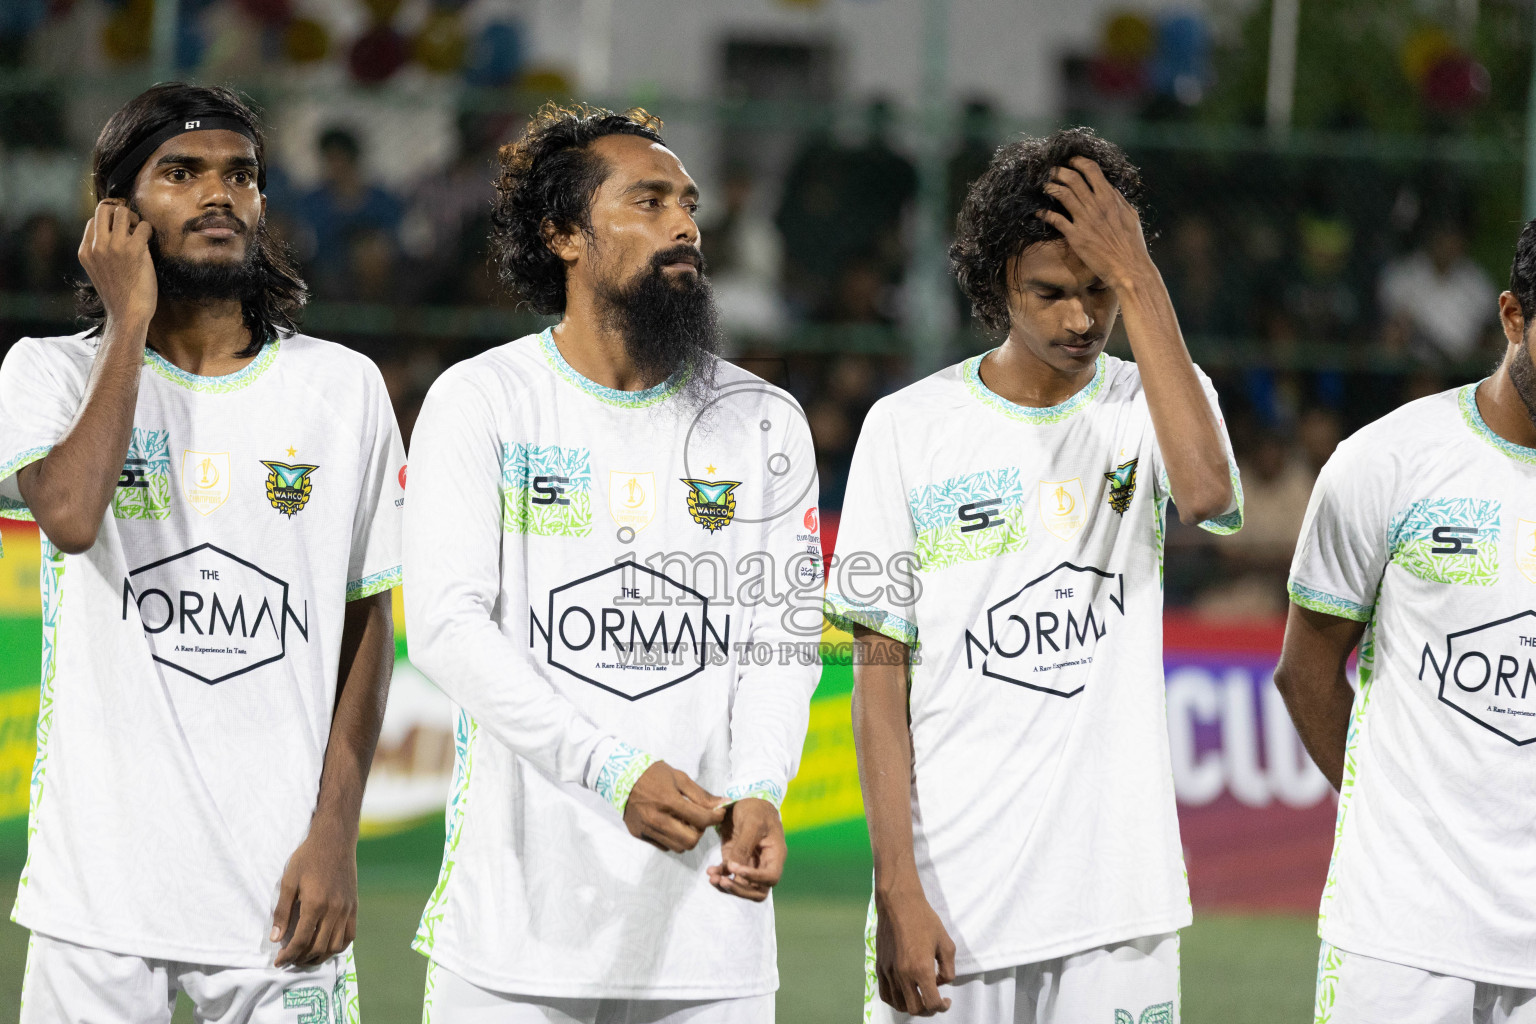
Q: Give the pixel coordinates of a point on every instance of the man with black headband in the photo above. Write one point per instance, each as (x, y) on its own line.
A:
(612, 549)
(220, 501)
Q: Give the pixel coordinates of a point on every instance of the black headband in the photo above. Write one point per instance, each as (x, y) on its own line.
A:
(127, 168)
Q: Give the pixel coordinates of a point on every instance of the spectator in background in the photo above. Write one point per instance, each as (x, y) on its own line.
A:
(808, 222)
(41, 258)
(1209, 302)
(448, 217)
(343, 208)
(971, 156)
(745, 252)
(1254, 561)
(1320, 298)
(880, 183)
(1438, 304)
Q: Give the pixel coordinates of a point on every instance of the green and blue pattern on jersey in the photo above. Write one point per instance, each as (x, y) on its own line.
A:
(546, 490)
(464, 732)
(51, 582)
(995, 522)
(642, 399)
(1040, 416)
(1473, 417)
(144, 489)
(237, 381)
(1465, 553)
(845, 613)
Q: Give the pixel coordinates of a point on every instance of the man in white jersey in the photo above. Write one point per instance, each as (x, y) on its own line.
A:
(1419, 548)
(615, 574)
(999, 563)
(220, 501)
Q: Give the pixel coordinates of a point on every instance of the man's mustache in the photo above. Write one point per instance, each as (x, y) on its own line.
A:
(215, 220)
(683, 253)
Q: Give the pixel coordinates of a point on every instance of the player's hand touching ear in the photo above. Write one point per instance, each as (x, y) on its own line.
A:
(316, 915)
(115, 253)
(752, 855)
(668, 809)
(1101, 227)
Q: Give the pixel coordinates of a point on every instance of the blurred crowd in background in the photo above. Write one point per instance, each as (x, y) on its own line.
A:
(1320, 281)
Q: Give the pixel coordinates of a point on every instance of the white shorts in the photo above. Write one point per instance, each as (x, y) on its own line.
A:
(1135, 982)
(452, 1000)
(66, 982)
(1355, 989)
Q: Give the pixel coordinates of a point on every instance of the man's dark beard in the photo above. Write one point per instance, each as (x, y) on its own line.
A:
(1523, 376)
(184, 280)
(667, 325)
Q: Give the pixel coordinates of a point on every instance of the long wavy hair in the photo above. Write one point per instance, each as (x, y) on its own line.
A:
(549, 175)
(272, 309)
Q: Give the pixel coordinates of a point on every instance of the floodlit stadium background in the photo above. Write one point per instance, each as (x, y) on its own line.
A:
(1336, 187)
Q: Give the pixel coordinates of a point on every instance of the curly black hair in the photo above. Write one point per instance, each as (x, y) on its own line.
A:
(1522, 272)
(997, 222)
(278, 303)
(547, 180)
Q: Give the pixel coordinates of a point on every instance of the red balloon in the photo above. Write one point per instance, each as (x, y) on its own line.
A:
(1118, 78)
(1456, 84)
(377, 54)
(268, 12)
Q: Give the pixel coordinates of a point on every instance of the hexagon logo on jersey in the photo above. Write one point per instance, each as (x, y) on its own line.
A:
(629, 629)
(288, 487)
(211, 614)
(1488, 673)
(1045, 635)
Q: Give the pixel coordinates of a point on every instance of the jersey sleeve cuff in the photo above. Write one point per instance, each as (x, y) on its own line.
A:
(618, 773)
(845, 614)
(11, 508)
(1327, 604)
(1228, 522)
(762, 789)
(375, 584)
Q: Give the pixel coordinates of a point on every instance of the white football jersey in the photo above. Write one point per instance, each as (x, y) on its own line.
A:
(190, 655)
(599, 578)
(1423, 526)
(1019, 552)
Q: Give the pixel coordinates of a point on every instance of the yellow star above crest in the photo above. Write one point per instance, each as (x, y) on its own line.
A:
(291, 451)
(710, 470)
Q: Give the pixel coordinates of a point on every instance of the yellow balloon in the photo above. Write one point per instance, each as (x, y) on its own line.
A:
(441, 44)
(1423, 49)
(382, 10)
(305, 41)
(125, 36)
(1129, 37)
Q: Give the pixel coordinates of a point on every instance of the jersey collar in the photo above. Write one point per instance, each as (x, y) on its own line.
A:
(971, 371)
(1473, 418)
(611, 396)
(241, 378)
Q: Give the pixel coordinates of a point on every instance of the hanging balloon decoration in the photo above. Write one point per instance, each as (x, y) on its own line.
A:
(441, 44)
(125, 38)
(378, 54)
(1119, 69)
(306, 41)
(1449, 80)
(496, 55)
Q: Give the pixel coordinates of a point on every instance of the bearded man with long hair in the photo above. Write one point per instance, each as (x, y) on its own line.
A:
(220, 501)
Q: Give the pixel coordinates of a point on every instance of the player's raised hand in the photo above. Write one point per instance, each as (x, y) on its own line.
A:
(115, 253)
(752, 855)
(316, 915)
(1102, 228)
(914, 955)
(668, 809)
